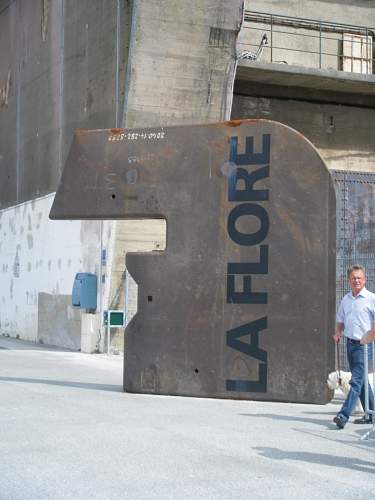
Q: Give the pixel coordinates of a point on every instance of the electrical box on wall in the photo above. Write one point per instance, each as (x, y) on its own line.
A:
(84, 291)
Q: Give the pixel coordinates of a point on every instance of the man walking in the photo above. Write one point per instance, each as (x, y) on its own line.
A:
(355, 317)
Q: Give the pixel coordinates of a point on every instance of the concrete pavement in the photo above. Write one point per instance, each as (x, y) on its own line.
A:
(67, 431)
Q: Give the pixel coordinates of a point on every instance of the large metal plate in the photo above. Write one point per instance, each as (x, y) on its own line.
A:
(241, 302)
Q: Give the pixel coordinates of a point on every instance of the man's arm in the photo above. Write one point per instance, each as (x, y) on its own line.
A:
(369, 336)
(338, 332)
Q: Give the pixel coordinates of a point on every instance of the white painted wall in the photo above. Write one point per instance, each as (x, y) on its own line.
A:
(38, 255)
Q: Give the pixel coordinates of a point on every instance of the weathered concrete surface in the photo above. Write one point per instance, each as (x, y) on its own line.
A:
(306, 58)
(182, 61)
(334, 82)
(329, 127)
(68, 432)
(241, 303)
(309, 34)
(58, 323)
(63, 58)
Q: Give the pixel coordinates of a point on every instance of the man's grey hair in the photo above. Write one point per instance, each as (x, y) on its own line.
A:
(356, 267)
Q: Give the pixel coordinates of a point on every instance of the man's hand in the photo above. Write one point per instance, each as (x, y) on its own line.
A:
(337, 337)
(368, 337)
(338, 332)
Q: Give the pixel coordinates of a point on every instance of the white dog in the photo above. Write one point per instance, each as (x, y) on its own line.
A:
(333, 384)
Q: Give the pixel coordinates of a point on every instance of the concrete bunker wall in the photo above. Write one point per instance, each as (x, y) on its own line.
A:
(342, 134)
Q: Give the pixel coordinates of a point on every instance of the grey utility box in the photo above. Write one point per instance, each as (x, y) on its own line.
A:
(84, 291)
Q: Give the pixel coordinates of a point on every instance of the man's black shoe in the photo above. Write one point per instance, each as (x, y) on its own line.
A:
(363, 420)
(339, 422)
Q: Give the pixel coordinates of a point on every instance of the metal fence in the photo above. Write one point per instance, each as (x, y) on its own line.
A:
(355, 233)
(307, 42)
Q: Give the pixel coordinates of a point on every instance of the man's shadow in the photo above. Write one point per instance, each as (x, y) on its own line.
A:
(327, 424)
(317, 458)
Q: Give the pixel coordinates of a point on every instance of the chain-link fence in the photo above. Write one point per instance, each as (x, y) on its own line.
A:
(355, 233)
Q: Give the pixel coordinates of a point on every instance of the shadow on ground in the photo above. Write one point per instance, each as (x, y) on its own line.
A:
(318, 458)
(344, 437)
(327, 424)
(64, 383)
(12, 344)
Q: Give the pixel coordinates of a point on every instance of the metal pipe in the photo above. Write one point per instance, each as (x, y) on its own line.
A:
(320, 46)
(271, 39)
(18, 127)
(132, 39)
(365, 353)
(262, 17)
(100, 287)
(117, 78)
(61, 90)
(108, 337)
(368, 412)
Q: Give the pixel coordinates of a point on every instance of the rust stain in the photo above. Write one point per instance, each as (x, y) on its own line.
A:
(295, 231)
(237, 123)
(116, 131)
(217, 145)
(168, 152)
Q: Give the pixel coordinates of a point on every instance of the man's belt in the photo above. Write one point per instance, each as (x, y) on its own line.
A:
(353, 341)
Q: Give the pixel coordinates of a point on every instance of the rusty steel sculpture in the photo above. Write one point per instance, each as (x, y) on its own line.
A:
(241, 303)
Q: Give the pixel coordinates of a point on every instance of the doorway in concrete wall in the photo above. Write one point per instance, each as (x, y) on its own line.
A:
(355, 231)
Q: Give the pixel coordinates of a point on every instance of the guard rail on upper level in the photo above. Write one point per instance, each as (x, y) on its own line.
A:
(309, 43)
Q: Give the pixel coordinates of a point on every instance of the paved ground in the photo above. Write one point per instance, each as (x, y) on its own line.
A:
(67, 431)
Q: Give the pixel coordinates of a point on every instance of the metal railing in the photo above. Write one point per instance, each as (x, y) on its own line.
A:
(307, 42)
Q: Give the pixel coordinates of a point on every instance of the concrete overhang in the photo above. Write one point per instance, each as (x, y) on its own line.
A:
(289, 81)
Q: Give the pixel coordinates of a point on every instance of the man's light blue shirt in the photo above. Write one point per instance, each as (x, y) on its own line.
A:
(357, 313)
